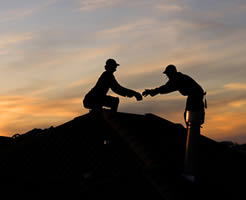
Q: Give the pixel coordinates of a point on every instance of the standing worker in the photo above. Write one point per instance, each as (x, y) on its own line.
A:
(194, 104)
(97, 97)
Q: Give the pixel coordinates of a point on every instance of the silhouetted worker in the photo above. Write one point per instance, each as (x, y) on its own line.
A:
(194, 114)
(97, 97)
(185, 85)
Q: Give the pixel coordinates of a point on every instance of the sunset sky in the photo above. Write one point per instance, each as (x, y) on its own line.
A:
(53, 51)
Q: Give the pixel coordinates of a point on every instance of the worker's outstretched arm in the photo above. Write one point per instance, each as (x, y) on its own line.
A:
(117, 88)
(137, 95)
(167, 88)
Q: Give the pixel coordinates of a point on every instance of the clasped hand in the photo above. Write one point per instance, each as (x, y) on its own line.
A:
(138, 96)
(147, 92)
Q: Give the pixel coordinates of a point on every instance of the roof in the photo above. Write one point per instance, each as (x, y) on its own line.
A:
(117, 155)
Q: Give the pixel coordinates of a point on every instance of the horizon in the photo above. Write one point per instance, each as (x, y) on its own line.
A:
(53, 51)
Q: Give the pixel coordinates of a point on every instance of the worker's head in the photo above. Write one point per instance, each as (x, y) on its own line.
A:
(111, 65)
(170, 71)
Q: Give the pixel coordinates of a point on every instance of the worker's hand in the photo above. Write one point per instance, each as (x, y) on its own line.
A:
(149, 92)
(138, 96)
(135, 94)
(145, 92)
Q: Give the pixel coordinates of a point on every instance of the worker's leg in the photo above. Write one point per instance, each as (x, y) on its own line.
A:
(192, 156)
(111, 102)
(92, 103)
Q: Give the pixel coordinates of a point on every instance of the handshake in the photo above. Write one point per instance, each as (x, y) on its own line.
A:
(146, 92)
(151, 92)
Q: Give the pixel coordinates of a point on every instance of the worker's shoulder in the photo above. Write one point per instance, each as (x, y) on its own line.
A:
(106, 76)
(180, 74)
(184, 76)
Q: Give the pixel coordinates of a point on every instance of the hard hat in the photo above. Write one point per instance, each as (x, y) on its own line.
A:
(111, 62)
(170, 69)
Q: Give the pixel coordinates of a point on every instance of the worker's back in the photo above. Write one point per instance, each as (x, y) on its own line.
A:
(186, 85)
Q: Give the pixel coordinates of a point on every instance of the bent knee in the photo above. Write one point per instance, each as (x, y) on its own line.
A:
(87, 104)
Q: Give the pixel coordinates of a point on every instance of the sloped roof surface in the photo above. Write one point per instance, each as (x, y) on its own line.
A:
(118, 156)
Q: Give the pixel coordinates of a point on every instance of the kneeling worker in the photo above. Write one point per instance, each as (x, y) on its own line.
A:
(97, 97)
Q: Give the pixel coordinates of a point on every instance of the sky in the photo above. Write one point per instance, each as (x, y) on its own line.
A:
(53, 51)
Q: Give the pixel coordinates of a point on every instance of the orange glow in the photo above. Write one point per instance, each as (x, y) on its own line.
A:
(238, 104)
(219, 122)
(223, 125)
(23, 113)
(236, 86)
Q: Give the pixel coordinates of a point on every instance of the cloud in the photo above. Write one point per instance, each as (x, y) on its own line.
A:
(242, 7)
(81, 82)
(20, 13)
(33, 87)
(25, 112)
(122, 29)
(234, 7)
(223, 125)
(89, 5)
(225, 99)
(13, 15)
(46, 53)
(169, 7)
(238, 103)
(225, 115)
(235, 86)
(9, 40)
